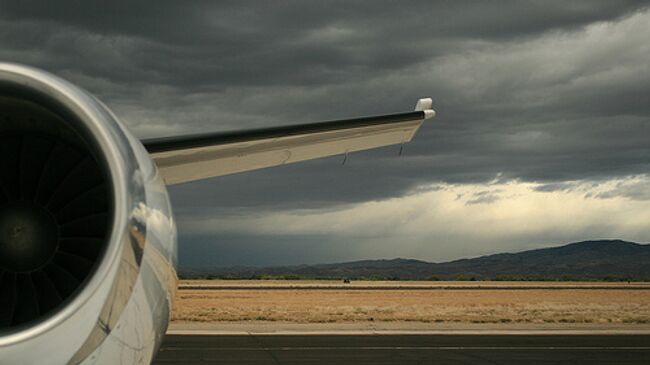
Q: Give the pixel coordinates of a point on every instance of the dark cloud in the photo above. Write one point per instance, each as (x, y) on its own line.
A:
(533, 91)
(556, 186)
(219, 45)
(484, 197)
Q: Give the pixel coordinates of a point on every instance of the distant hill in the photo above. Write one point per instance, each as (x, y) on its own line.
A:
(588, 260)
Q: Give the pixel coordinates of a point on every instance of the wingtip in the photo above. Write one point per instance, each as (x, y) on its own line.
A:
(424, 105)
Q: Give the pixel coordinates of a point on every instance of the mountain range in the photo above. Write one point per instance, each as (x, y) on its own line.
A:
(587, 260)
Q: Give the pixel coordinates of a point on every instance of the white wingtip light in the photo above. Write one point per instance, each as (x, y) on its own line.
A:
(424, 105)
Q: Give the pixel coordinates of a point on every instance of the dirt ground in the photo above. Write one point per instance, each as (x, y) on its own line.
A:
(407, 284)
(612, 303)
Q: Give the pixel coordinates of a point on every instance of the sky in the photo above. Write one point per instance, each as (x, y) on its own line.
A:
(542, 133)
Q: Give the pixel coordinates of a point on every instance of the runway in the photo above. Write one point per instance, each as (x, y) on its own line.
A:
(344, 349)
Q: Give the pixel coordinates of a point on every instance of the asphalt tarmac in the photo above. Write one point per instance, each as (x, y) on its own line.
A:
(316, 349)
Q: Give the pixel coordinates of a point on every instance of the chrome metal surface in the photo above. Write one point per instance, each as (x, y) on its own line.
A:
(122, 311)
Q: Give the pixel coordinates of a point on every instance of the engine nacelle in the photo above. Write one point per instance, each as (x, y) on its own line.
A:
(87, 237)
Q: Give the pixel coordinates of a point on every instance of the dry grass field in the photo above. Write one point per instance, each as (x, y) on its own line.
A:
(507, 303)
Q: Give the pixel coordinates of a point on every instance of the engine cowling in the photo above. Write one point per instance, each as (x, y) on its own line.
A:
(87, 237)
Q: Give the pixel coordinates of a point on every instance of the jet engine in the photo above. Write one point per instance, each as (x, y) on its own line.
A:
(87, 239)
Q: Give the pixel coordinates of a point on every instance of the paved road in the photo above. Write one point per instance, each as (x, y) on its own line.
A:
(405, 349)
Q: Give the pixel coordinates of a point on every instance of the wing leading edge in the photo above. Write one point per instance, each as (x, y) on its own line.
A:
(188, 158)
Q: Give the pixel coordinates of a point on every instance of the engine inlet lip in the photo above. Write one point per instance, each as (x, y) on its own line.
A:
(97, 125)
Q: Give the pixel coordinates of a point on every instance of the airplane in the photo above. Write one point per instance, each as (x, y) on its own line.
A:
(88, 247)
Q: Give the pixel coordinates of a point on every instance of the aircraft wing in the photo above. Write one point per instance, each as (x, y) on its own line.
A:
(188, 158)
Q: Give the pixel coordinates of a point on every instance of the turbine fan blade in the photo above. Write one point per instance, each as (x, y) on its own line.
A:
(7, 298)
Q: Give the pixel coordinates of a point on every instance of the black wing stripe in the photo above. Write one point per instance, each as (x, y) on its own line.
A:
(165, 144)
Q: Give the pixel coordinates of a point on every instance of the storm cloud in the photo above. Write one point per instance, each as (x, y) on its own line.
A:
(550, 94)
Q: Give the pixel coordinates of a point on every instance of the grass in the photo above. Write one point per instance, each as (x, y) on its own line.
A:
(435, 306)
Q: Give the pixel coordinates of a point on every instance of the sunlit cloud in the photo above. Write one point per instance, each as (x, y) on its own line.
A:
(510, 215)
